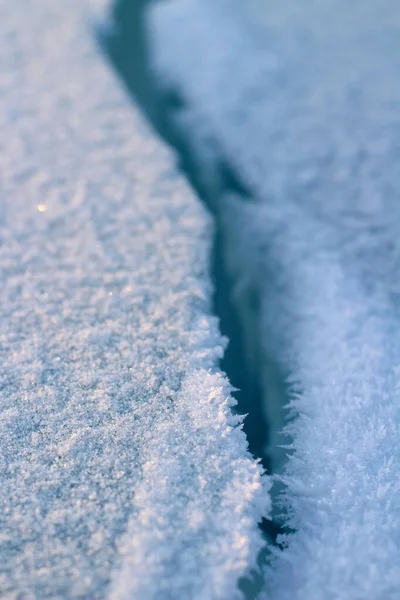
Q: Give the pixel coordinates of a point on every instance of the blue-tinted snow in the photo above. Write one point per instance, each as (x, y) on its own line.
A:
(303, 99)
(122, 472)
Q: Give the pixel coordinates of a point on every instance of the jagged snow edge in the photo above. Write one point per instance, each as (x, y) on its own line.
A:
(205, 403)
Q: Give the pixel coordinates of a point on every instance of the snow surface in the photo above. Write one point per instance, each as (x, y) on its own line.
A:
(122, 470)
(303, 101)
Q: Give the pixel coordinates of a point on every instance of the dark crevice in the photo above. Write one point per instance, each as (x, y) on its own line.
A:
(126, 47)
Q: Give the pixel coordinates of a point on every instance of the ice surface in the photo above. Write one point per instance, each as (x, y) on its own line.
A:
(122, 470)
(303, 100)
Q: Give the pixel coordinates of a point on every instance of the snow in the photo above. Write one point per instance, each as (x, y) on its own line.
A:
(303, 103)
(123, 472)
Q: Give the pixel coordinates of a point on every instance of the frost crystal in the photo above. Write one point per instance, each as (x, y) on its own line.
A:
(122, 469)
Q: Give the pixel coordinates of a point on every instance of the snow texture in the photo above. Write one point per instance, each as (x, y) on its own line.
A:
(303, 101)
(122, 470)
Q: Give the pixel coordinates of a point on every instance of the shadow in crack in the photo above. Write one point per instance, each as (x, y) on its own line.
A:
(126, 47)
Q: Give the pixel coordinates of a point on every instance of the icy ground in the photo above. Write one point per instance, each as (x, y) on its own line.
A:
(122, 473)
(303, 101)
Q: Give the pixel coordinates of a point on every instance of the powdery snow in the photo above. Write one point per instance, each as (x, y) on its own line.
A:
(120, 462)
(303, 101)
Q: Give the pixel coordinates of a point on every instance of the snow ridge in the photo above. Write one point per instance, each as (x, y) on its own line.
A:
(122, 469)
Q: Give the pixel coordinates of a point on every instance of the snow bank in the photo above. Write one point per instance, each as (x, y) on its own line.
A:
(120, 462)
(303, 102)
